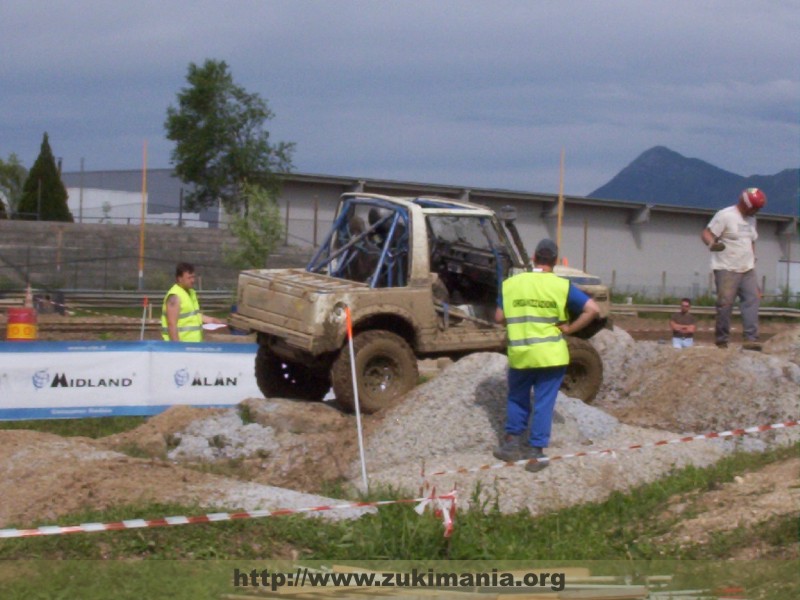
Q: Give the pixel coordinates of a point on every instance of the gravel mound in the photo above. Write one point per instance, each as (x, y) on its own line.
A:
(651, 393)
(223, 435)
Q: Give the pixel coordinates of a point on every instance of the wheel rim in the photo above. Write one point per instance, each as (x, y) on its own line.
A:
(380, 376)
(573, 377)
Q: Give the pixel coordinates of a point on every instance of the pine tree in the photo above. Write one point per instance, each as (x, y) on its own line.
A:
(44, 196)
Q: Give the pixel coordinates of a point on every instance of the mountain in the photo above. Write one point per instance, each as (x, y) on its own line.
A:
(662, 176)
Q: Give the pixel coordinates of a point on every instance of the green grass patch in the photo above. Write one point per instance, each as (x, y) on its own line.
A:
(91, 428)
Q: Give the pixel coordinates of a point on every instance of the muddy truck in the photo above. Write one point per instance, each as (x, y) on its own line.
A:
(419, 277)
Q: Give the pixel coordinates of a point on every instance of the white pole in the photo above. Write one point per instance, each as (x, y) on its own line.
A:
(144, 317)
(355, 395)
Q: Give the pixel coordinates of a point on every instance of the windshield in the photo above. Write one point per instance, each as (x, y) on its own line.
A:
(473, 231)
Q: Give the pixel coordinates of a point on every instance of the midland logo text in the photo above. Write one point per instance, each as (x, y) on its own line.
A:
(43, 379)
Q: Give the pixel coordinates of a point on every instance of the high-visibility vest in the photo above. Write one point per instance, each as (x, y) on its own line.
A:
(190, 321)
(533, 303)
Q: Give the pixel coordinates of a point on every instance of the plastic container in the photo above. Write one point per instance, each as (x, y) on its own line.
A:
(22, 326)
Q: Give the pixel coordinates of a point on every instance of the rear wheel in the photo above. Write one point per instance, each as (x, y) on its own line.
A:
(279, 378)
(585, 371)
(385, 369)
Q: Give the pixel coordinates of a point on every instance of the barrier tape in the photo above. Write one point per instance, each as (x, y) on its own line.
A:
(444, 506)
(611, 451)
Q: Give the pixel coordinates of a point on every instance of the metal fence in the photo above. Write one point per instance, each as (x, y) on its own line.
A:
(60, 301)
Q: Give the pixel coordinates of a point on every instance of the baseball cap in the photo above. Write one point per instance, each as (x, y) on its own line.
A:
(546, 248)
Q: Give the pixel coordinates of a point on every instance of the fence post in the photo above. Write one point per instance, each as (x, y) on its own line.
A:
(286, 228)
(316, 216)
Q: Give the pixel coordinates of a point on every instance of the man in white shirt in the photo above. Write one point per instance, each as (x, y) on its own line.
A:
(731, 236)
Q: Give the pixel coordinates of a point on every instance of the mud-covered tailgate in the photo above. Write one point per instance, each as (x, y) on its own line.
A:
(292, 304)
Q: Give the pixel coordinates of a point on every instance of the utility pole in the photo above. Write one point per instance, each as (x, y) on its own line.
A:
(144, 214)
(80, 197)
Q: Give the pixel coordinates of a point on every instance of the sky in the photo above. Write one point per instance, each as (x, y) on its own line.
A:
(469, 93)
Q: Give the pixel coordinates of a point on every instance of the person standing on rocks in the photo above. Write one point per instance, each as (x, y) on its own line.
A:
(683, 326)
(536, 307)
(731, 236)
(181, 319)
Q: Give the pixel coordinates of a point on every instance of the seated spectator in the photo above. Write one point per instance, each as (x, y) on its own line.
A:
(683, 326)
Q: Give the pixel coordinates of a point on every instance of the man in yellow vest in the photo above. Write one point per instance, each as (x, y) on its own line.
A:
(536, 308)
(181, 319)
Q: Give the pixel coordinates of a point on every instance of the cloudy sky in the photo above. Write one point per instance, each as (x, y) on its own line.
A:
(472, 93)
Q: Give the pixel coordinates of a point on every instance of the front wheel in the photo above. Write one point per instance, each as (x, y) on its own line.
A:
(385, 369)
(585, 371)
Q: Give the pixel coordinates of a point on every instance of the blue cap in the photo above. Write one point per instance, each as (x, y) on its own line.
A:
(546, 249)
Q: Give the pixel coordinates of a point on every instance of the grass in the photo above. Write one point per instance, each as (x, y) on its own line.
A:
(91, 428)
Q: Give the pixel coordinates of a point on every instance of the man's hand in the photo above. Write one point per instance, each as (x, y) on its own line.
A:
(717, 246)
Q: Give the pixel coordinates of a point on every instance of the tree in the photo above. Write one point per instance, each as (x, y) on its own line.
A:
(44, 196)
(12, 177)
(220, 140)
(259, 232)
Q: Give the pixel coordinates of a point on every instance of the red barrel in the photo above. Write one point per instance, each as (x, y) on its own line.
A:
(21, 325)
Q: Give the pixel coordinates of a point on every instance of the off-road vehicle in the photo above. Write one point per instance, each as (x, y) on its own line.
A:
(420, 276)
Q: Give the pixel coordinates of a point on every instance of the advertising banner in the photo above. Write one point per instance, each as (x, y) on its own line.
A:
(61, 380)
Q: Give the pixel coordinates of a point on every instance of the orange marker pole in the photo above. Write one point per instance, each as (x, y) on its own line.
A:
(355, 396)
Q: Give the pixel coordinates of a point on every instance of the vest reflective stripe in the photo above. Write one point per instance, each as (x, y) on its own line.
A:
(190, 321)
(513, 320)
(529, 341)
(533, 303)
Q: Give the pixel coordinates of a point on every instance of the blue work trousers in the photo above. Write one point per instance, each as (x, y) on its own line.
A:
(545, 383)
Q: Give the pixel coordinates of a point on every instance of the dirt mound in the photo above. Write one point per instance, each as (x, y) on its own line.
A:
(293, 444)
(44, 476)
(700, 389)
(154, 437)
(786, 344)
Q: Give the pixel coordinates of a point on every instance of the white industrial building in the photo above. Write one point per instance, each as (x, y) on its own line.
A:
(636, 247)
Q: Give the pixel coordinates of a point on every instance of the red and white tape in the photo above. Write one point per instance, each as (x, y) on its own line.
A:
(443, 506)
(612, 451)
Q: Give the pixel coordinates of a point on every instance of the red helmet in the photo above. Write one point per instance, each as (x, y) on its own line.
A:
(753, 198)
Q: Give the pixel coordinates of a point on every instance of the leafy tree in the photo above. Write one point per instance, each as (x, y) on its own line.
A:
(220, 140)
(44, 196)
(12, 177)
(259, 232)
